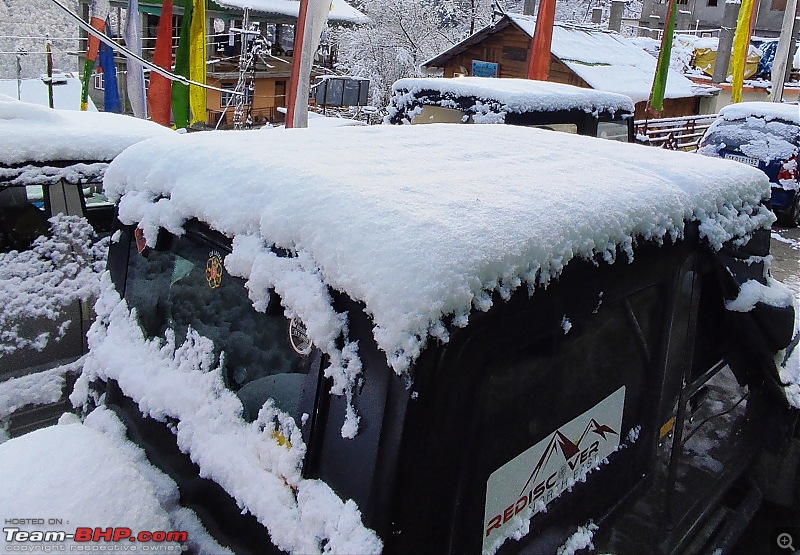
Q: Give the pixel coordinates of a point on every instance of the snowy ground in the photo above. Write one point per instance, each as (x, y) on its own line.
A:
(785, 249)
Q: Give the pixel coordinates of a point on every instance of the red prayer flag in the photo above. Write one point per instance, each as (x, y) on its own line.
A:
(539, 55)
(159, 96)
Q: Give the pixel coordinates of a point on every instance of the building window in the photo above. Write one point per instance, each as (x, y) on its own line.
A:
(99, 82)
(712, 3)
(228, 99)
(778, 5)
(683, 2)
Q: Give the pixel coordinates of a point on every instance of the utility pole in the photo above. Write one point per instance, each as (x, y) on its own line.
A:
(49, 73)
(20, 52)
(725, 42)
(241, 84)
(783, 51)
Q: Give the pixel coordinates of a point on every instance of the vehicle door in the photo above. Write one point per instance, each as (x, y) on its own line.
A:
(535, 398)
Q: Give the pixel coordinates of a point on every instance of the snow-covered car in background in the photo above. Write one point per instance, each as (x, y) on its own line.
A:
(410, 339)
(765, 135)
(52, 209)
(554, 106)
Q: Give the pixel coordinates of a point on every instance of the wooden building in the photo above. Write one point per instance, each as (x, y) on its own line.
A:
(581, 56)
(273, 21)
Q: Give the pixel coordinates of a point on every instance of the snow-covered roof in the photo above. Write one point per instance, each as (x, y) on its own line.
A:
(36, 134)
(340, 10)
(66, 94)
(520, 95)
(765, 110)
(607, 61)
(424, 222)
(604, 59)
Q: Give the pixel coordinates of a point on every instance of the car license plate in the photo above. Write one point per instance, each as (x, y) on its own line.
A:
(743, 159)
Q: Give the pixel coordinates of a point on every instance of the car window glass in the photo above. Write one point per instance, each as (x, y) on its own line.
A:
(533, 387)
(94, 195)
(439, 114)
(562, 127)
(188, 287)
(22, 217)
(613, 130)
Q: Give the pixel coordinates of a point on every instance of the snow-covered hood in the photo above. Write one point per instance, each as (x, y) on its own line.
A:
(425, 222)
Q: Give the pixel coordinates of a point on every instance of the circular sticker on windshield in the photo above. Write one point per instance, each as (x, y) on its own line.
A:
(298, 336)
(214, 270)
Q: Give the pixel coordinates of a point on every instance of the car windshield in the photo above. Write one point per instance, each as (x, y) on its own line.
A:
(756, 137)
(188, 287)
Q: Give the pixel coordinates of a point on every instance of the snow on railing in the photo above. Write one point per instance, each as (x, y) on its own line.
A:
(681, 133)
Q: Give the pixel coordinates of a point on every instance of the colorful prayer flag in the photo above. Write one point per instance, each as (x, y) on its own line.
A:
(111, 102)
(180, 91)
(98, 21)
(135, 77)
(539, 55)
(741, 44)
(656, 103)
(197, 62)
(159, 95)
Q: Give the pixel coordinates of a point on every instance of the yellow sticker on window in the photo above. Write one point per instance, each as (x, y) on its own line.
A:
(214, 270)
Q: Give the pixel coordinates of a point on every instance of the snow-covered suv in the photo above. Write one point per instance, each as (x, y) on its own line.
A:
(412, 339)
(764, 135)
(51, 210)
(554, 106)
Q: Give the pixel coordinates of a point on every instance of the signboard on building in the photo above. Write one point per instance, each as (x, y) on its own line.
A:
(483, 69)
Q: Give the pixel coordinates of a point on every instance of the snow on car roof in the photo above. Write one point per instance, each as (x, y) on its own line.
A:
(766, 110)
(425, 222)
(37, 134)
(339, 11)
(521, 95)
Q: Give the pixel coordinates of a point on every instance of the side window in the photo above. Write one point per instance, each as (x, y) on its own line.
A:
(552, 405)
(23, 217)
(187, 287)
(613, 130)
(570, 128)
(99, 211)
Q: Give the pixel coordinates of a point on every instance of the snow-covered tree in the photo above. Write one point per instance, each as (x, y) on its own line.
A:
(402, 34)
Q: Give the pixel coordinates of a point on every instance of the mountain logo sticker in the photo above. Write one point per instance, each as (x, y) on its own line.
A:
(526, 484)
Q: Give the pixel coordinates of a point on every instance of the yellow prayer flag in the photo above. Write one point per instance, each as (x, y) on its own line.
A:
(197, 62)
(741, 44)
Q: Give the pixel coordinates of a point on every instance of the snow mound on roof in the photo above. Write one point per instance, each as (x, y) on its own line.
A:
(49, 465)
(34, 133)
(339, 11)
(766, 110)
(515, 95)
(424, 223)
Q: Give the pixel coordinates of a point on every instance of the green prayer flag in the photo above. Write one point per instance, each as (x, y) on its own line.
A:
(180, 92)
(656, 103)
